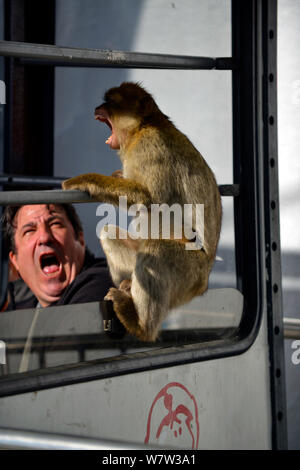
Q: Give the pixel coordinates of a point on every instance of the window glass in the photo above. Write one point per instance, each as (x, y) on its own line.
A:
(53, 336)
(199, 104)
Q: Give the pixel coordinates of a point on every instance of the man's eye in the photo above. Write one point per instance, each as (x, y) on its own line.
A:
(28, 231)
(56, 224)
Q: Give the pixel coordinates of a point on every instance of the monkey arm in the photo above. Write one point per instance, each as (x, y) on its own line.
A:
(104, 188)
(118, 174)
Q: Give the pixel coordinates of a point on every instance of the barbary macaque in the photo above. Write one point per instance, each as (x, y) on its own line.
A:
(160, 166)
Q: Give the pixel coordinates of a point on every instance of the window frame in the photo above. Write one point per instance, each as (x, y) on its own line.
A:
(252, 97)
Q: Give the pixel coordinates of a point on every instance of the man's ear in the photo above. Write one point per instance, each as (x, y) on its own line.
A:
(81, 239)
(13, 260)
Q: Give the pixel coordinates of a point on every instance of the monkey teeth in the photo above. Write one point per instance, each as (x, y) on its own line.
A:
(108, 141)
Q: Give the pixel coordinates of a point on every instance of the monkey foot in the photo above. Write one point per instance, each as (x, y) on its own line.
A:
(125, 309)
(126, 286)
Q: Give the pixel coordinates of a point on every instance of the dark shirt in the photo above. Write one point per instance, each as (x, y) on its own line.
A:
(90, 285)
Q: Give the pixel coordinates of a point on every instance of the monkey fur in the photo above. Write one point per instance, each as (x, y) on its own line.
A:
(160, 165)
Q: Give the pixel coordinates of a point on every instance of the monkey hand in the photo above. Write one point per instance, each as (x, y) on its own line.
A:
(104, 188)
(117, 174)
(78, 182)
(89, 183)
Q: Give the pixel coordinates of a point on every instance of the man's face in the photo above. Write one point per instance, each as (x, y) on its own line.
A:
(48, 256)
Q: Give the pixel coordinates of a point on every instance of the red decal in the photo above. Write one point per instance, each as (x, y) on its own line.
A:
(180, 416)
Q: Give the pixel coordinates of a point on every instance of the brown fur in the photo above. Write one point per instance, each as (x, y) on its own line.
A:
(160, 165)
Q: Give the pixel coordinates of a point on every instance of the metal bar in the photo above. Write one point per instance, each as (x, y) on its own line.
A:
(291, 328)
(17, 180)
(19, 439)
(58, 196)
(55, 196)
(293, 323)
(268, 78)
(75, 57)
(229, 190)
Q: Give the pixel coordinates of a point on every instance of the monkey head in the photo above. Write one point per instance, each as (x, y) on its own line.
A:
(125, 110)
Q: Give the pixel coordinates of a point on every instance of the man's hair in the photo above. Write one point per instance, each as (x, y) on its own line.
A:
(9, 225)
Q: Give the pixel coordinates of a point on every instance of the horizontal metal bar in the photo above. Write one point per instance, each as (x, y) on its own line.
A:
(17, 180)
(58, 196)
(291, 328)
(55, 182)
(19, 439)
(292, 323)
(55, 196)
(75, 57)
(229, 190)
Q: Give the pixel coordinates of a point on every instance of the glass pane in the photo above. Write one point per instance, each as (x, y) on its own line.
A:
(49, 337)
(192, 27)
(198, 102)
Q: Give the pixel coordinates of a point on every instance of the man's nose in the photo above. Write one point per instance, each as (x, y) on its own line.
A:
(44, 235)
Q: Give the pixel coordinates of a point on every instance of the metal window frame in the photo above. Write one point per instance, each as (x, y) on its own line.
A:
(256, 185)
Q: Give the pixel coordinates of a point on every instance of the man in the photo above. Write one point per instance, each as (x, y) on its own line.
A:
(48, 251)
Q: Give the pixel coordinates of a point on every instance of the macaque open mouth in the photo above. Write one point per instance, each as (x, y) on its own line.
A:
(101, 115)
(49, 263)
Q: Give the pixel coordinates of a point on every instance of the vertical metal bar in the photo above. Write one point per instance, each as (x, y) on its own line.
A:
(245, 155)
(255, 152)
(272, 228)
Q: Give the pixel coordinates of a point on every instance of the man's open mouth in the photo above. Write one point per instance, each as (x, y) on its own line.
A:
(50, 263)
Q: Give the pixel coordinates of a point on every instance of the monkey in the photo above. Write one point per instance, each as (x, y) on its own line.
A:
(152, 275)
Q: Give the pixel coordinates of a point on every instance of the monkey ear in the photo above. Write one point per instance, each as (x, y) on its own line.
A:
(146, 106)
(117, 98)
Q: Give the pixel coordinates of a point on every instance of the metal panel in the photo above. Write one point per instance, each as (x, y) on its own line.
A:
(231, 396)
